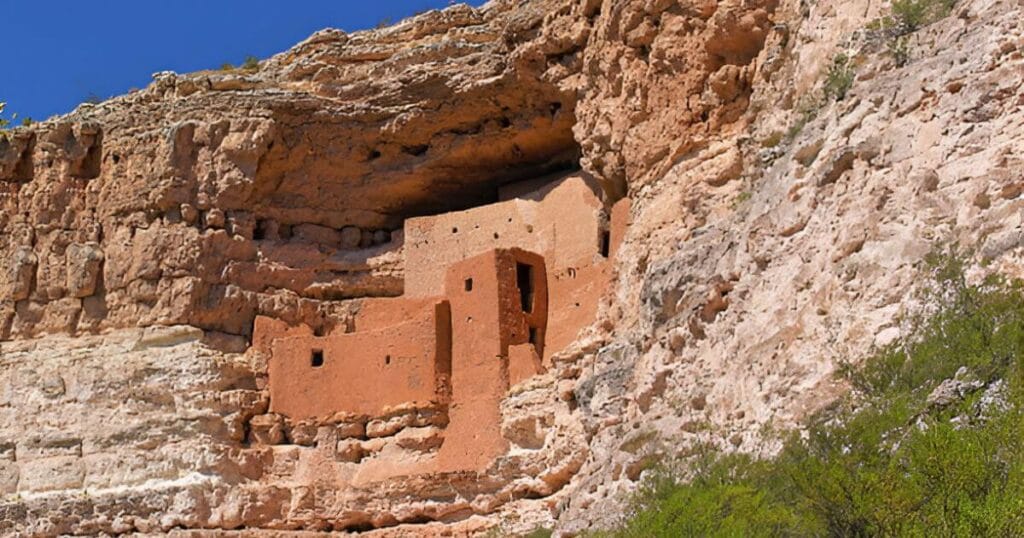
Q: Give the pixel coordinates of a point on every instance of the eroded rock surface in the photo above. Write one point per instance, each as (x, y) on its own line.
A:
(772, 234)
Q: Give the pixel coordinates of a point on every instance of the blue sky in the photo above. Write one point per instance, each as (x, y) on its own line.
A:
(58, 53)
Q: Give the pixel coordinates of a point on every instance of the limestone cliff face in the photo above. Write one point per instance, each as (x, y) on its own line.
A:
(335, 142)
(773, 233)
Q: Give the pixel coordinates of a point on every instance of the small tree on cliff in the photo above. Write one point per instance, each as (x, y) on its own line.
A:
(3, 123)
(6, 123)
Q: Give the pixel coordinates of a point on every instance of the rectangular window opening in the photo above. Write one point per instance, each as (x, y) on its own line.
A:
(606, 243)
(469, 284)
(524, 279)
(533, 335)
(316, 359)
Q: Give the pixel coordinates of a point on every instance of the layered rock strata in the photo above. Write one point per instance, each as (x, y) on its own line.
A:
(773, 235)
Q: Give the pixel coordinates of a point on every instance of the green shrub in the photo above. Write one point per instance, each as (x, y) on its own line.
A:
(883, 461)
(899, 49)
(906, 17)
(723, 499)
(251, 63)
(838, 81)
(840, 77)
(741, 198)
(5, 123)
(807, 109)
(910, 15)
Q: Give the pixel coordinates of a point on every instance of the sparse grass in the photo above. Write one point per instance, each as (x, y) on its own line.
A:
(773, 140)
(806, 111)
(637, 442)
(251, 63)
(907, 16)
(883, 461)
(741, 198)
(539, 532)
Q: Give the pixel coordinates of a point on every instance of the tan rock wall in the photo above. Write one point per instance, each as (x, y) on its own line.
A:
(214, 197)
(110, 420)
(663, 80)
(759, 253)
(740, 292)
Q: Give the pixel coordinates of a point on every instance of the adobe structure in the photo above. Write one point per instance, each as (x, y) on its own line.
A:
(491, 294)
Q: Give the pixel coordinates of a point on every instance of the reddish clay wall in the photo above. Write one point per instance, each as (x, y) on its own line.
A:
(386, 312)
(265, 330)
(570, 215)
(560, 221)
(620, 221)
(576, 292)
(364, 373)
(487, 318)
(482, 311)
(575, 298)
(525, 319)
(523, 363)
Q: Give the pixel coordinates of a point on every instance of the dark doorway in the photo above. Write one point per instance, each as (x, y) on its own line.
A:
(317, 358)
(606, 243)
(524, 279)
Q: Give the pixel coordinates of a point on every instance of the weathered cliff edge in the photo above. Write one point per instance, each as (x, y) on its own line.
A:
(142, 236)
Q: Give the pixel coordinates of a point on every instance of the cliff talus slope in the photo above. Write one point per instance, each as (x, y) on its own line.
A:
(750, 230)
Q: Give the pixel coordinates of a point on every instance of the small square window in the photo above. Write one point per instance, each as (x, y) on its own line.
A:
(317, 358)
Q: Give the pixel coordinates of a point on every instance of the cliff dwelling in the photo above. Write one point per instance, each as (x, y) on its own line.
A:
(474, 273)
(490, 295)
(371, 283)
